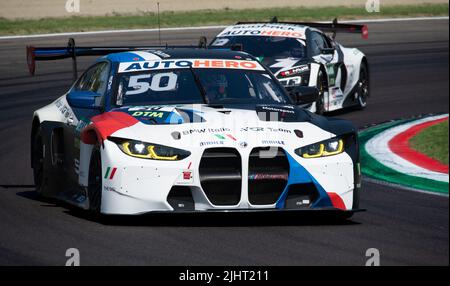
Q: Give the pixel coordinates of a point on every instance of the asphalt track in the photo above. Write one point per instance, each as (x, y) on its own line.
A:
(409, 67)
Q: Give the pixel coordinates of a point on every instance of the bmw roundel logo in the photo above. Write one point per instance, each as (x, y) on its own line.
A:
(243, 144)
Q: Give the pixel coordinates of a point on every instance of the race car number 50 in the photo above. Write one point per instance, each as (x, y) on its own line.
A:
(227, 276)
(159, 82)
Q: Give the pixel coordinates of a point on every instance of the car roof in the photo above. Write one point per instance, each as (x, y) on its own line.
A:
(176, 53)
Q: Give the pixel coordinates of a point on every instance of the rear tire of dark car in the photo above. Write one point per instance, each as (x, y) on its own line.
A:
(38, 162)
(362, 87)
(95, 181)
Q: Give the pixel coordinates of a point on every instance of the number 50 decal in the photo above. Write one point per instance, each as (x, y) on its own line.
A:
(159, 82)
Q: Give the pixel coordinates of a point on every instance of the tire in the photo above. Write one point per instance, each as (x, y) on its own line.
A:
(321, 86)
(38, 163)
(362, 87)
(95, 182)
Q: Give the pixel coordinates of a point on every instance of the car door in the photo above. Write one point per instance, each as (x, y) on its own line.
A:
(330, 57)
(92, 83)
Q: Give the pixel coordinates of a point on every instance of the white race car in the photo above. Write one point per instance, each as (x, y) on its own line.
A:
(302, 54)
(188, 130)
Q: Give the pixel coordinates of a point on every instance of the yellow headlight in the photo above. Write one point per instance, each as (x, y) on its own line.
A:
(323, 149)
(145, 151)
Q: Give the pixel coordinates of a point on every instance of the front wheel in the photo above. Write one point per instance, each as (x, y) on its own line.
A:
(95, 181)
(362, 91)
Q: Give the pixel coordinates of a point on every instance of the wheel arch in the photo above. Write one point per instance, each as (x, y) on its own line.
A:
(36, 123)
(366, 63)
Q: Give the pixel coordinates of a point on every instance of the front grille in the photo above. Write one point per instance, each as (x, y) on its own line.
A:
(268, 175)
(220, 175)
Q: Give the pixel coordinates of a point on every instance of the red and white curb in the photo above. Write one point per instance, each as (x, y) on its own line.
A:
(391, 149)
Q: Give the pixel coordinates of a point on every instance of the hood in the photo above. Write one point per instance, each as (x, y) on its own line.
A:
(196, 113)
(207, 125)
(201, 126)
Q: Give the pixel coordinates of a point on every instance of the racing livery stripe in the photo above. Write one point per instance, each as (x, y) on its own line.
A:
(107, 172)
(108, 175)
(298, 174)
(106, 124)
(113, 173)
(337, 201)
(146, 56)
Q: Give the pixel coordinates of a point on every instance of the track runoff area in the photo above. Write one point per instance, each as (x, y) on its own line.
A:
(387, 156)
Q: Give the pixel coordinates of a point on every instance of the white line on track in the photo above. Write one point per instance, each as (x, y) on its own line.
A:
(202, 28)
(388, 184)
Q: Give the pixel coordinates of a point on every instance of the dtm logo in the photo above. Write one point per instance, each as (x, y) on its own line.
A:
(148, 114)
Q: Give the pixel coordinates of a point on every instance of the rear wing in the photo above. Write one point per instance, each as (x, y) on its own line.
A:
(72, 51)
(333, 27)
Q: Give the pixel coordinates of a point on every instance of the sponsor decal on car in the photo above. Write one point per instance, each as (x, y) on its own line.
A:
(148, 114)
(295, 71)
(265, 129)
(186, 63)
(63, 107)
(109, 189)
(286, 109)
(270, 30)
(206, 130)
(263, 176)
(272, 142)
(186, 177)
(211, 143)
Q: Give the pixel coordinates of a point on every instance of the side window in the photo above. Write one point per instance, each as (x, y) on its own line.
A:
(318, 42)
(94, 79)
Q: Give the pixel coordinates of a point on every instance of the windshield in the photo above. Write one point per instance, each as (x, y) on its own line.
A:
(265, 48)
(178, 86)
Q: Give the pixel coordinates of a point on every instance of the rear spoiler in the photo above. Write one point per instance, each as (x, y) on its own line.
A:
(71, 51)
(332, 27)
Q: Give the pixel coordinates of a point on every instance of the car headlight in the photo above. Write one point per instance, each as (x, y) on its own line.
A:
(322, 149)
(151, 151)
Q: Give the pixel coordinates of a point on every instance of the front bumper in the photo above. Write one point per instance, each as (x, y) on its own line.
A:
(192, 185)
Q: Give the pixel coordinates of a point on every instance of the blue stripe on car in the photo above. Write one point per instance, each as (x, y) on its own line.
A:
(298, 175)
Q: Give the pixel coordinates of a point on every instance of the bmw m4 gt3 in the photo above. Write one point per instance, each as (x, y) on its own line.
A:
(188, 130)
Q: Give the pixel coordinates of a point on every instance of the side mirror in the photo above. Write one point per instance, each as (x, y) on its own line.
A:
(327, 51)
(84, 99)
(303, 94)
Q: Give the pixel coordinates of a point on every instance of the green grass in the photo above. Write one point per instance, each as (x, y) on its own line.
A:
(433, 142)
(210, 17)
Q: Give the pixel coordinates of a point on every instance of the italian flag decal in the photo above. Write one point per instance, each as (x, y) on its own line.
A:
(110, 172)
